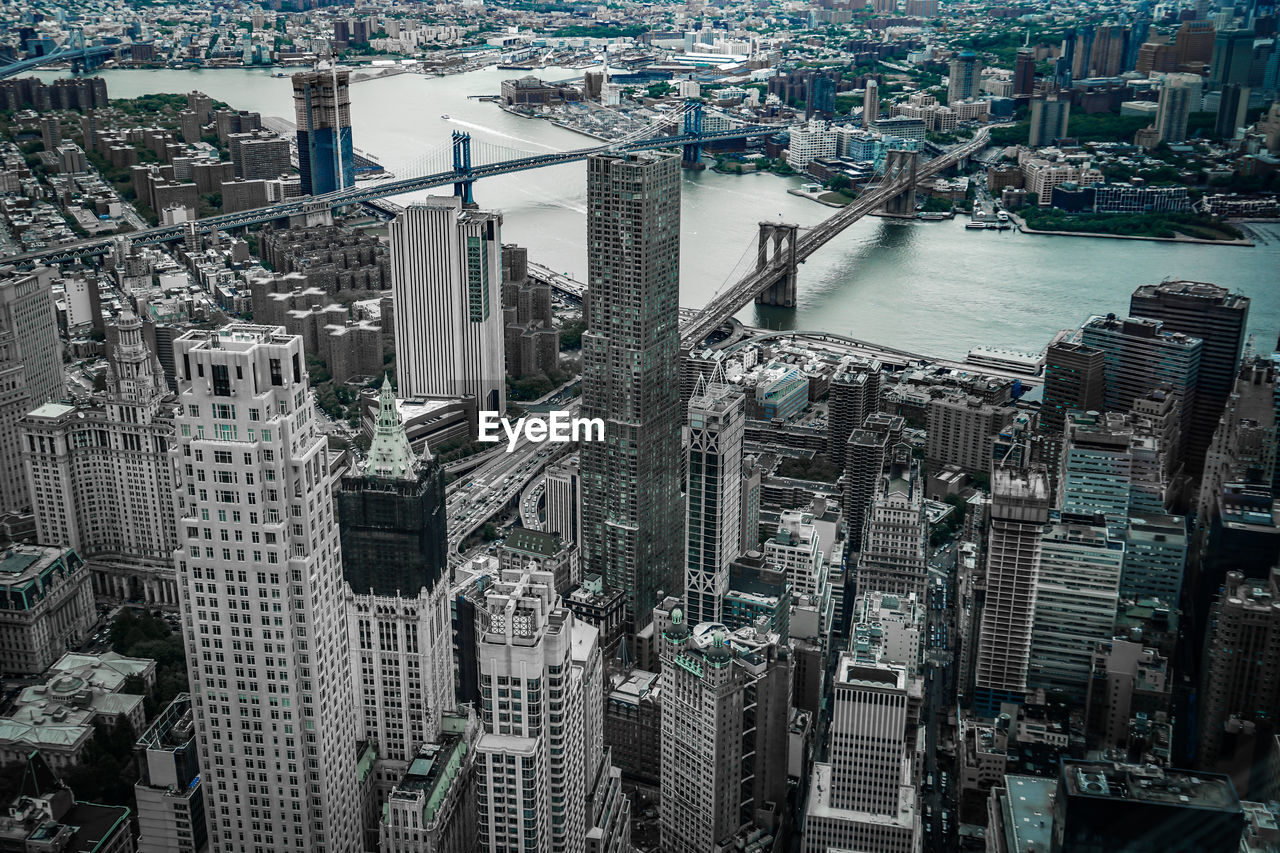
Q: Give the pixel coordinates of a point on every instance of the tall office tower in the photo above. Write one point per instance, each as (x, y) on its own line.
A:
(961, 429)
(1194, 41)
(854, 394)
(1049, 117)
(1155, 557)
(1158, 414)
(631, 513)
(870, 104)
(432, 808)
(1179, 97)
(542, 751)
(893, 558)
(169, 793)
(1233, 110)
(446, 280)
(101, 475)
(866, 453)
(725, 707)
(1107, 57)
(1074, 379)
(1241, 668)
(1141, 354)
(30, 371)
(564, 515)
(1020, 503)
(391, 518)
(1024, 73)
(1076, 593)
(717, 417)
(1217, 317)
(1139, 31)
(1082, 61)
(322, 109)
(260, 581)
(1064, 69)
(965, 77)
(1097, 468)
(1232, 57)
(863, 797)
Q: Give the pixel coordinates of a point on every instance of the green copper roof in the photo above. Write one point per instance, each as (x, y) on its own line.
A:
(390, 455)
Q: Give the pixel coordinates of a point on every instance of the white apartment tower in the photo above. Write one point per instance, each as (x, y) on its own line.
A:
(1019, 509)
(260, 580)
(540, 763)
(863, 797)
(795, 549)
(446, 280)
(717, 418)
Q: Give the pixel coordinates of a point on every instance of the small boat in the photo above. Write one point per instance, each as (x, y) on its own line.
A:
(976, 226)
(1001, 216)
(445, 116)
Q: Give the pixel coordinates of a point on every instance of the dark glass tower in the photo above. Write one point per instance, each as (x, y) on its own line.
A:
(392, 514)
(322, 109)
(632, 516)
(1216, 316)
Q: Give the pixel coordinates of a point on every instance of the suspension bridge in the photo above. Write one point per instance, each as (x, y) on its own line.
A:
(457, 164)
(773, 281)
(74, 51)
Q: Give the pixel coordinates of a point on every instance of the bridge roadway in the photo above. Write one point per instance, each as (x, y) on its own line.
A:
(724, 305)
(59, 55)
(372, 191)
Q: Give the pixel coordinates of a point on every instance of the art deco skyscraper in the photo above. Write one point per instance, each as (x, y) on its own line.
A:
(717, 417)
(446, 278)
(394, 544)
(260, 581)
(101, 476)
(632, 528)
(322, 109)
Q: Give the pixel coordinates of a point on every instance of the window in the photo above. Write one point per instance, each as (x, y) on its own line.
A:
(221, 381)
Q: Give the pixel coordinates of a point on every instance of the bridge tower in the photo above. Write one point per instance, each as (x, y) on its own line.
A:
(692, 156)
(462, 166)
(901, 166)
(782, 292)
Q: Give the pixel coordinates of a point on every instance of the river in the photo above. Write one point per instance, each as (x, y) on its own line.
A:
(929, 287)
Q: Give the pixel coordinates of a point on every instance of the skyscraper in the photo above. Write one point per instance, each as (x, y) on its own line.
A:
(854, 394)
(1020, 502)
(1073, 379)
(1141, 355)
(1218, 318)
(1179, 97)
(863, 797)
(1024, 73)
(1241, 680)
(260, 578)
(101, 475)
(30, 371)
(391, 516)
(965, 75)
(725, 709)
(542, 752)
(1076, 592)
(446, 278)
(1098, 468)
(1233, 110)
(564, 516)
(717, 417)
(631, 520)
(322, 110)
(895, 534)
(1232, 58)
(870, 104)
(1049, 117)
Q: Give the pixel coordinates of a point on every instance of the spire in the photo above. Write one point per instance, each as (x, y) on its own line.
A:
(390, 455)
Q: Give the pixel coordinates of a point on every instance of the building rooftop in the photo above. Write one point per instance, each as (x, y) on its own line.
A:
(1150, 784)
(1028, 813)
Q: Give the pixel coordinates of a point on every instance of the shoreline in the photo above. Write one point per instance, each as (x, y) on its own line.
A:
(1181, 238)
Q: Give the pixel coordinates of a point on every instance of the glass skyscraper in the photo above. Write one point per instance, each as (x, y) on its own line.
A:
(322, 109)
(632, 516)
